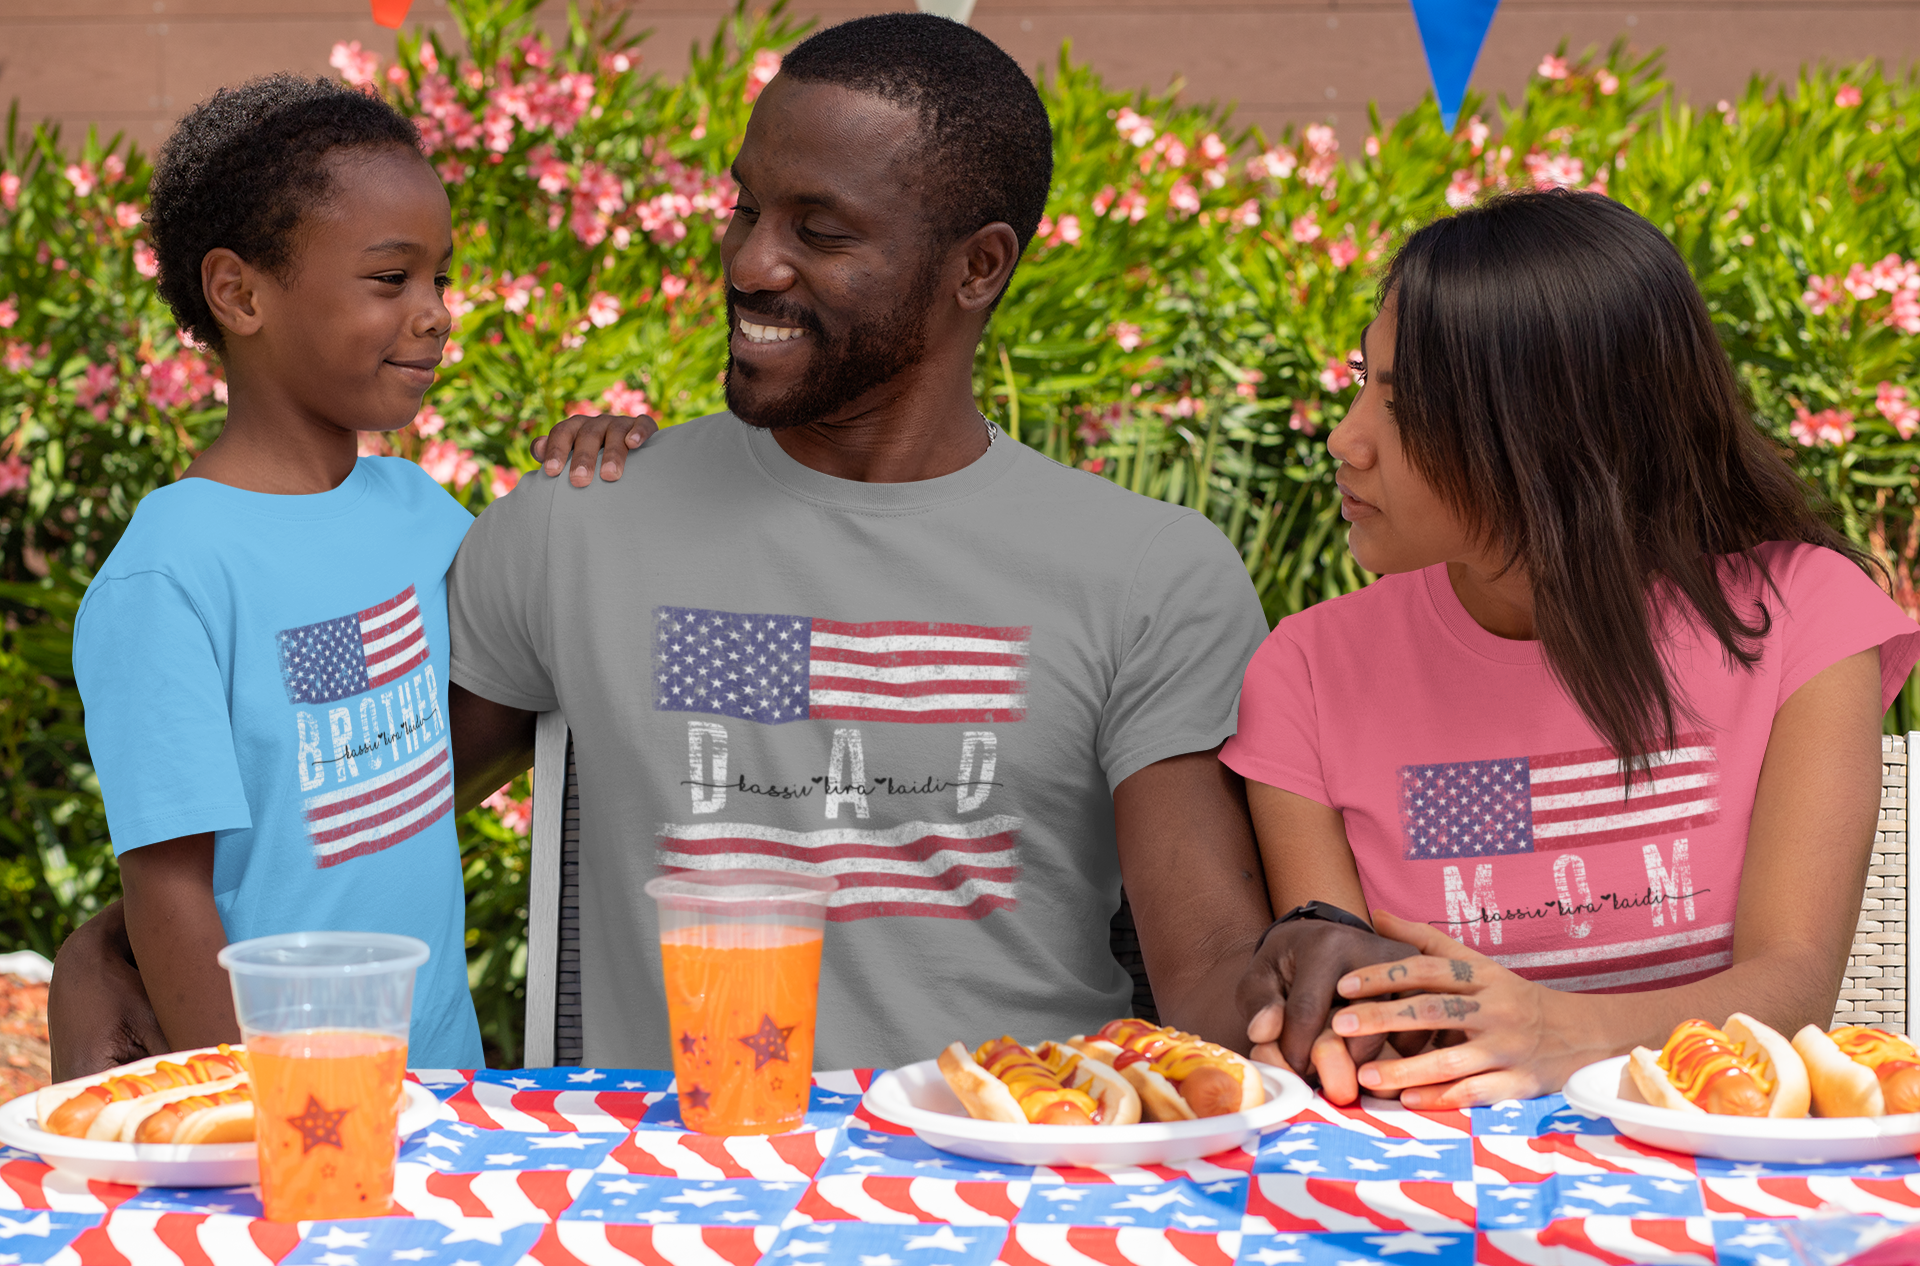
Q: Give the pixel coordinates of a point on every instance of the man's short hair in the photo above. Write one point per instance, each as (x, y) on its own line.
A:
(987, 144)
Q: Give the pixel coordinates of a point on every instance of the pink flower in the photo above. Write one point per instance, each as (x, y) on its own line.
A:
(1847, 97)
(535, 50)
(1096, 424)
(98, 381)
(1304, 229)
(1895, 408)
(1373, 147)
(672, 287)
(1821, 293)
(1904, 313)
(497, 126)
(429, 60)
(516, 292)
(1213, 149)
(548, 171)
(356, 65)
(452, 353)
(1463, 189)
(452, 170)
(502, 481)
(1127, 335)
(515, 815)
(1183, 198)
(1827, 427)
(1477, 133)
(1137, 129)
(1552, 67)
(9, 311)
(16, 356)
(1892, 273)
(603, 309)
(126, 215)
(1247, 214)
(1276, 164)
(1559, 171)
(397, 75)
(1319, 172)
(447, 463)
(1337, 376)
(625, 401)
(458, 302)
(1859, 283)
(1132, 206)
(1104, 199)
(1322, 142)
(428, 423)
(145, 262)
(1304, 413)
(81, 177)
(178, 380)
(1066, 230)
(1608, 82)
(9, 190)
(766, 64)
(13, 475)
(112, 167)
(1343, 252)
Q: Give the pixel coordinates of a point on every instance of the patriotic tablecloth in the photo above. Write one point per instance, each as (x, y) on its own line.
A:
(592, 1167)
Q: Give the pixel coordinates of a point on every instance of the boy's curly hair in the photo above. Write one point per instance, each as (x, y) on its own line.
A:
(243, 168)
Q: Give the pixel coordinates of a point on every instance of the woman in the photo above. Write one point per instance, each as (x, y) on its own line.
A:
(1600, 749)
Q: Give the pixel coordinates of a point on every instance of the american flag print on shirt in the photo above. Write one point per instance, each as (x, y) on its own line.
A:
(773, 669)
(354, 653)
(925, 869)
(1527, 804)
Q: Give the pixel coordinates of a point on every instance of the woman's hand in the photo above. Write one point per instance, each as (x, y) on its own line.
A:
(1501, 1036)
(577, 440)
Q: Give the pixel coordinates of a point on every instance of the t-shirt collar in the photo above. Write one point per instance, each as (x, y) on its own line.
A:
(847, 494)
(1446, 605)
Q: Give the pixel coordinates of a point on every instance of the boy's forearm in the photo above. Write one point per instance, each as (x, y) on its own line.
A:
(176, 934)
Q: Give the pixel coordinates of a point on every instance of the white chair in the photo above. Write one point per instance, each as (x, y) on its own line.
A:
(1874, 991)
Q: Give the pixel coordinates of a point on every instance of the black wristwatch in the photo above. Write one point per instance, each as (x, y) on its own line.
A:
(1318, 910)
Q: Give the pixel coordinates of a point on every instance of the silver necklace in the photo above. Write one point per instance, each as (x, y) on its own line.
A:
(993, 432)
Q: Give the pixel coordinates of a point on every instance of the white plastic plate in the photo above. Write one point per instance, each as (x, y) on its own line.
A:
(919, 1098)
(1803, 1141)
(165, 1164)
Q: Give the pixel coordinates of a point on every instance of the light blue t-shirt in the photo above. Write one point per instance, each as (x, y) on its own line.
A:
(274, 669)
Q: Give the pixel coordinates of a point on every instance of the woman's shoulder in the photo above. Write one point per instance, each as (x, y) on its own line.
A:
(1797, 573)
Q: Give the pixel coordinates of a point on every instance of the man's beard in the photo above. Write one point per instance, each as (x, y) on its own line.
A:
(838, 371)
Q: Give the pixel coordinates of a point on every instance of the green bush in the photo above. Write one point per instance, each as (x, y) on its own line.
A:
(1181, 326)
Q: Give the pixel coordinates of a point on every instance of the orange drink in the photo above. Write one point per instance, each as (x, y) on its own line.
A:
(326, 1113)
(325, 1016)
(741, 1002)
(740, 956)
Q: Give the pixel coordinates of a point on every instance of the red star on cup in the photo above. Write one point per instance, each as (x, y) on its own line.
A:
(318, 1125)
(768, 1042)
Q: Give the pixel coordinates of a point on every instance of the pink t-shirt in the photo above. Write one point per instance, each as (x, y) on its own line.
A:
(1477, 797)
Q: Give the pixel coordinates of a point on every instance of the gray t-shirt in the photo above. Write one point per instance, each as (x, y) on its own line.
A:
(927, 690)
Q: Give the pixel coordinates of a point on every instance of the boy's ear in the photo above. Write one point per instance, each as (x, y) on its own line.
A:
(230, 286)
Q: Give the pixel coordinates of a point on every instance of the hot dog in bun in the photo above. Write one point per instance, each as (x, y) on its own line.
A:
(1745, 1069)
(1179, 1076)
(1860, 1072)
(1047, 1085)
(112, 1106)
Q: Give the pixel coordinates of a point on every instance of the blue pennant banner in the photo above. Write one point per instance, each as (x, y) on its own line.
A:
(1452, 31)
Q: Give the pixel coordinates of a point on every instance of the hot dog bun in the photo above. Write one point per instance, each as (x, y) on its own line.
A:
(224, 1116)
(1841, 1087)
(1745, 1068)
(1178, 1076)
(988, 1098)
(108, 1106)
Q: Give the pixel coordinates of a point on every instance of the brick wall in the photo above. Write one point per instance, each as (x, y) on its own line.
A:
(135, 64)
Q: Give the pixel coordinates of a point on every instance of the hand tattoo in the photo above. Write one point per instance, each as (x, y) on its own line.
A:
(1409, 1012)
(1396, 971)
(1458, 1008)
(1462, 971)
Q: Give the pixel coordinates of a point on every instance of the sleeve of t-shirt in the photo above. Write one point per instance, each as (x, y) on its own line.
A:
(498, 615)
(1278, 739)
(158, 723)
(1835, 610)
(1192, 620)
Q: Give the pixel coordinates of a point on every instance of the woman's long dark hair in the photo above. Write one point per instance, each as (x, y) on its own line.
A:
(1557, 379)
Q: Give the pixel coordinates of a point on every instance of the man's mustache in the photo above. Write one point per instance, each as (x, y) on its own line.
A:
(776, 308)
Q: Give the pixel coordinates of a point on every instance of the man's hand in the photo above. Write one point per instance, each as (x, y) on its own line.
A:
(1288, 991)
(98, 1015)
(576, 441)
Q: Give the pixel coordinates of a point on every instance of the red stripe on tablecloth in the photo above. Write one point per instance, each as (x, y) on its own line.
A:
(1098, 1242)
(538, 1104)
(1202, 1248)
(459, 1189)
(991, 1198)
(274, 1239)
(1485, 1254)
(802, 1151)
(1572, 1233)
(547, 1189)
(1442, 1199)
(1671, 1234)
(714, 1151)
(94, 1247)
(549, 1251)
(180, 1232)
(735, 1243)
(1345, 1196)
(893, 1193)
(468, 1109)
(625, 1106)
(24, 1176)
(1793, 1190)
(1367, 1118)
(637, 1242)
(1717, 1203)
(1012, 1254)
(1510, 1170)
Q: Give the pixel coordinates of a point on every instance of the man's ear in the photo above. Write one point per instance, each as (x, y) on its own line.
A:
(990, 255)
(231, 288)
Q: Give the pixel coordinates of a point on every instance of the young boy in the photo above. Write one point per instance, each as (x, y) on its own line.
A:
(263, 657)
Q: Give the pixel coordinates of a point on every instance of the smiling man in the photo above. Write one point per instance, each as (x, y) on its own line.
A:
(849, 629)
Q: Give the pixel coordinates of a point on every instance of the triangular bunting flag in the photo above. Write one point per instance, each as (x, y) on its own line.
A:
(1452, 31)
(391, 13)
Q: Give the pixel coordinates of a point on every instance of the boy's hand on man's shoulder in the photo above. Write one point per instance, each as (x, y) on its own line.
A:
(574, 443)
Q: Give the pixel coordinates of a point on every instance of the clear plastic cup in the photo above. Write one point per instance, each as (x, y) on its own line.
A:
(740, 954)
(324, 1015)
